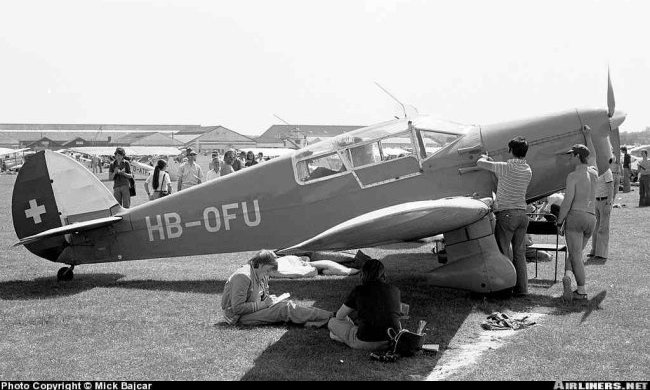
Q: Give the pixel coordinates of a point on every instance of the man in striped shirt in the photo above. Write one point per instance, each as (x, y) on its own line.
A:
(513, 178)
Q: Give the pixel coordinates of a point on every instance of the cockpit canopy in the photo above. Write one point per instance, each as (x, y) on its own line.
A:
(412, 140)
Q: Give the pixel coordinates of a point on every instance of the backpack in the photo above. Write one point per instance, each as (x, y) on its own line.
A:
(405, 342)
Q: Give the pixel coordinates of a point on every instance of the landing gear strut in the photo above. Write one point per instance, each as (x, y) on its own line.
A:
(65, 274)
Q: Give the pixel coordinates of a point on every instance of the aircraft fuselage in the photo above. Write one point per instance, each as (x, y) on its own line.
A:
(266, 206)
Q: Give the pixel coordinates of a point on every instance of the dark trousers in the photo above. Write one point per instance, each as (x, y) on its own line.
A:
(644, 191)
(510, 233)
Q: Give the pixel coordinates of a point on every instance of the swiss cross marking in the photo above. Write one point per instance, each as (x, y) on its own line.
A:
(34, 211)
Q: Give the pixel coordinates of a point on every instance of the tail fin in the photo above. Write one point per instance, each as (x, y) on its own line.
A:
(51, 191)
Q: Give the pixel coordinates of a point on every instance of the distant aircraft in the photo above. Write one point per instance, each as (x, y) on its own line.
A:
(636, 151)
(341, 193)
(13, 159)
(269, 152)
(166, 153)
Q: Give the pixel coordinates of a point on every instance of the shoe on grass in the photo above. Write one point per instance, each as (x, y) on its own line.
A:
(579, 297)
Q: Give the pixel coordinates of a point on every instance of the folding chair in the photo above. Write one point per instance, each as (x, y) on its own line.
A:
(546, 226)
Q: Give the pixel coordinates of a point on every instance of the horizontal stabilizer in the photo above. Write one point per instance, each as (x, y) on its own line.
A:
(67, 229)
(402, 222)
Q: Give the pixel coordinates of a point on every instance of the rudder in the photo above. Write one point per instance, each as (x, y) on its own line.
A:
(53, 190)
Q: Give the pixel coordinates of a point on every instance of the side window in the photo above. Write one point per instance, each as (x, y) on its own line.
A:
(435, 141)
(396, 147)
(365, 154)
(322, 166)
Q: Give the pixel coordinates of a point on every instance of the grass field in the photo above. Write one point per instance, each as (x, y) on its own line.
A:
(160, 319)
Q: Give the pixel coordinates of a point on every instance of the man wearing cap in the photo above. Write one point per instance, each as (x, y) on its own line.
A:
(578, 215)
(604, 201)
(120, 172)
(215, 171)
(513, 178)
(189, 173)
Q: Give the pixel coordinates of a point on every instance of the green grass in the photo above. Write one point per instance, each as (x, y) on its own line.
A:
(155, 319)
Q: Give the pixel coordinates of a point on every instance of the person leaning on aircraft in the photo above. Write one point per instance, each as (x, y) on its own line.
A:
(246, 299)
(513, 178)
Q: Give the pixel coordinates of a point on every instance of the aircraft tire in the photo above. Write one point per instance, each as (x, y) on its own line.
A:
(65, 274)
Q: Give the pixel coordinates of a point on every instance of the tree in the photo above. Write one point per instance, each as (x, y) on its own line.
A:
(635, 137)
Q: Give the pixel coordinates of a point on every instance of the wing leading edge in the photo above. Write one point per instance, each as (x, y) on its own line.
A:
(402, 222)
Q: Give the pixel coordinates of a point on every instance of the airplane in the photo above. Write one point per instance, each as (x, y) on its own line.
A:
(337, 194)
(13, 159)
(268, 153)
(166, 153)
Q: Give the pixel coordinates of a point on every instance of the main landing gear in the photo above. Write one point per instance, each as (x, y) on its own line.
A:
(65, 274)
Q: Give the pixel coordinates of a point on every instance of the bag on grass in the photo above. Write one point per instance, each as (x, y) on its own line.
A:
(405, 342)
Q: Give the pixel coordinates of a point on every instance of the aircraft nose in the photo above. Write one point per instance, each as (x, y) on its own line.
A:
(617, 119)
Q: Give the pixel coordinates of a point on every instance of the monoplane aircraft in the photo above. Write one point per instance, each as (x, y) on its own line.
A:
(136, 153)
(342, 193)
(12, 159)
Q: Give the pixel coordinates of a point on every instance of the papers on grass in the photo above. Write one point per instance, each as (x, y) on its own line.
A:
(280, 298)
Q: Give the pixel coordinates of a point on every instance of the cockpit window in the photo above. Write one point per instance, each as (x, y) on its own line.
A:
(401, 145)
(435, 141)
(396, 147)
(365, 154)
(318, 167)
(377, 153)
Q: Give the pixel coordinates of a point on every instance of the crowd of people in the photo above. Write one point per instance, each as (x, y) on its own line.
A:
(158, 184)
(191, 174)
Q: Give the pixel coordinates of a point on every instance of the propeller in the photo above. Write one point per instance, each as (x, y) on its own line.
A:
(611, 102)
(616, 118)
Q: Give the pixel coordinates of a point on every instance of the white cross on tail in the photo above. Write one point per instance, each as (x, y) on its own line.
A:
(34, 211)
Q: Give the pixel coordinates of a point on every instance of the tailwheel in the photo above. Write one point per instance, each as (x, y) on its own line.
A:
(65, 274)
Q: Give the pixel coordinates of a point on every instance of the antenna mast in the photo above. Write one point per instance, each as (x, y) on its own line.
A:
(394, 98)
(296, 129)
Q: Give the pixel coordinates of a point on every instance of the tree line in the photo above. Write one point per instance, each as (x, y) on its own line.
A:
(635, 137)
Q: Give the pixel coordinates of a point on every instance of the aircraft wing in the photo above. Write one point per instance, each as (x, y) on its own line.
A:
(67, 229)
(130, 150)
(144, 167)
(6, 151)
(402, 222)
(270, 152)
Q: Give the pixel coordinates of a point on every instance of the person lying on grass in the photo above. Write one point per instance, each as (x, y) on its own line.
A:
(246, 299)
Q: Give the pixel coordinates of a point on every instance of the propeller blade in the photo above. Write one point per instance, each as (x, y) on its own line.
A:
(611, 103)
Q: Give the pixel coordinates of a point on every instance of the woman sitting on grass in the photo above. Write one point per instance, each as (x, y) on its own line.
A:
(246, 298)
(378, 306)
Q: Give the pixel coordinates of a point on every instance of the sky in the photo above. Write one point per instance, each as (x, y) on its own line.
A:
(241, 64)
